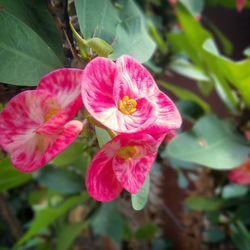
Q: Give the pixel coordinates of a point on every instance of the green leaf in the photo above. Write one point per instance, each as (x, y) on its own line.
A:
(190, 110)
(102, 136)
(24, 56)
(226, 43)
(47, 216)
(235, 73)
(190, 41)
(201, 203)
(246, 52)
(10, 177)
(124, 28)
(146, 232)
(213, 235)
(59, 180)
(108, 221)
(99, 46)
(234, 191)
(35, 14)
(67, 234)
(240, 236)
(195, 7)
(185, 68)
(73, 155)
(97, 18)
(140, 199)
(133, 39)
(185, 94)
(211, 143)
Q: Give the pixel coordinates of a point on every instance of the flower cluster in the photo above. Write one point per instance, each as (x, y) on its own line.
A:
(36, 125)
(122, 96)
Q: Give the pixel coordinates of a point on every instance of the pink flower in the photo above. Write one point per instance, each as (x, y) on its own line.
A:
(172, 2)
(124, 97)
(124, 162)
(36, 125)
(241, 174)
(240, 4)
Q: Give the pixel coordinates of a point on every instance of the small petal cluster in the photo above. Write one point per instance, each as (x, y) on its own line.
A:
(124, 98)
(241, 174)
(124, 162)
(36, 125)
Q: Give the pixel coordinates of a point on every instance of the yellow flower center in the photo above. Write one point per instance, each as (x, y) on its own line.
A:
(127, 106)
(128, 152)
(51, 113)
(51, 110)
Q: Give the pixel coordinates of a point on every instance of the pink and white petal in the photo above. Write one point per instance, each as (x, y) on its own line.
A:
(157, 132)
(145, 141)
(132, 80)
(168, 117)
(22, 116)
(143, 117)
(101, 181)
(56, 122)
(63, 83)
(133, 172)
(97, 87)
(37, 150)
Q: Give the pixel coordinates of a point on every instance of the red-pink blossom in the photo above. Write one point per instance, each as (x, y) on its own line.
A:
(240, 4)
(124, 162)
(241, 174)
(124, 97)
(36, 125)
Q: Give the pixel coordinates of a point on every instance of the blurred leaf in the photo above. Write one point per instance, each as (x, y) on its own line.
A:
(99, 46)
(59, 180)
(10, 177)
(226, 43)
(162, 45)
(240, 236)
(213, 235)
(191, 41)
(185, 68)
(47, 216)
(97, 18)
(73, 155)
(185, 94)
(234, 191)
(124, 28)
(211, 143)
(140, 199)
(234, 72)
(182, 180)
(29, 56)
(108, 221)
(243, 212)
(190, 110)
(246, 52)
(195, 7)
(201, 203)
(36, 15)
(161, 244)
(102, 136)
(67, 235)
(146, 232)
